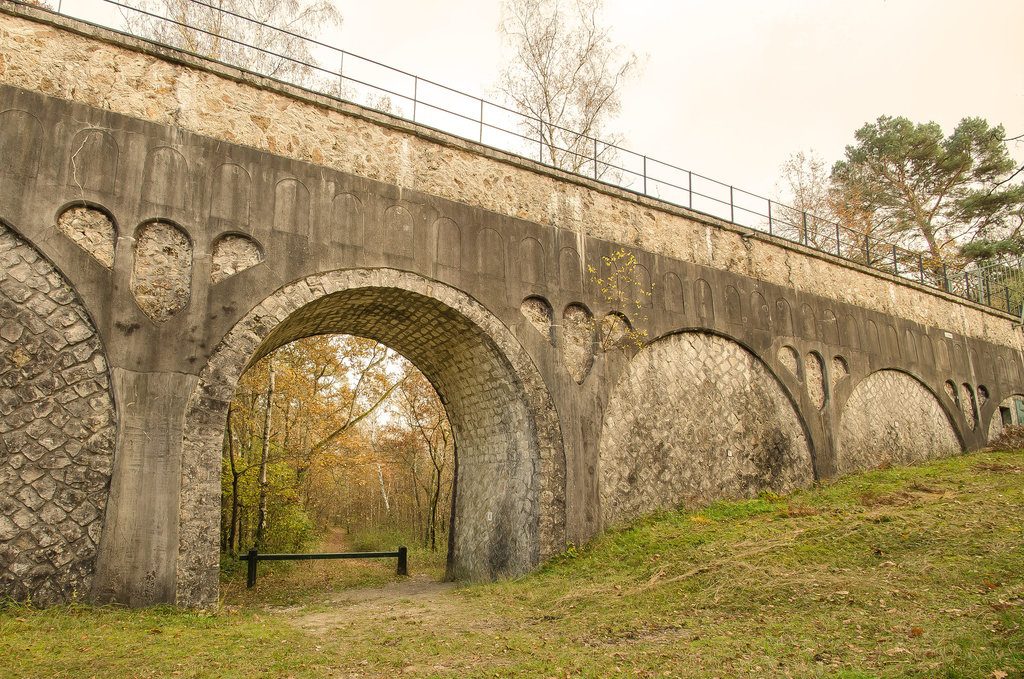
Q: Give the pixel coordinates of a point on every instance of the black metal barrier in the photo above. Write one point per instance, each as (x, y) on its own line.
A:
(253, 557)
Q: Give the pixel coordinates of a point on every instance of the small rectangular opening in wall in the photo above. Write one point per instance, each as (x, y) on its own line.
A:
(1006, 416)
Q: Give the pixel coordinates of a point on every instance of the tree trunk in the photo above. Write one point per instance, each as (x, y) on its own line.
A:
(233, 525)
(383, 491)
(435, 495)
(261, 521)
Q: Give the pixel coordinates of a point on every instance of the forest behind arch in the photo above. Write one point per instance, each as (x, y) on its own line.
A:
(356, 441)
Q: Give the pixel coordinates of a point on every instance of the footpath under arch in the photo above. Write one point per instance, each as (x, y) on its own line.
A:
(509, 509)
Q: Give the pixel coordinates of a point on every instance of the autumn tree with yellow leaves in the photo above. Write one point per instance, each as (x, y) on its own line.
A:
(355, 437)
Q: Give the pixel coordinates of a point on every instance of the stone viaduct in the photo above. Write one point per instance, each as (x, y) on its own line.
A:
(165, 222)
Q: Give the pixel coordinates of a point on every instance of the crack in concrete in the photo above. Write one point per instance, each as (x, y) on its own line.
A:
(74, 167)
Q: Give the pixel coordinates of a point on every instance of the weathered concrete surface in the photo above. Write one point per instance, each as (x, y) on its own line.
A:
(220, 103)
(244, 215)
(138, 550)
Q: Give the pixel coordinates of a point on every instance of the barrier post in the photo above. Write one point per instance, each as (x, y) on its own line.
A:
(250, 579)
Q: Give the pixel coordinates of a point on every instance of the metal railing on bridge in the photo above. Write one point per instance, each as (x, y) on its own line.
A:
(395, 92)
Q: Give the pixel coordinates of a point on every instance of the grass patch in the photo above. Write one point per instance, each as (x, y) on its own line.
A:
(903, 572)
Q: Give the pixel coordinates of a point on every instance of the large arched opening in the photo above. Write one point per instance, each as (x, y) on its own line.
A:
(359, 455)
(508, 510)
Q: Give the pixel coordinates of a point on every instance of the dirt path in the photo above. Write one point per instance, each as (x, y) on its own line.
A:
(337, 541)
(418, 598)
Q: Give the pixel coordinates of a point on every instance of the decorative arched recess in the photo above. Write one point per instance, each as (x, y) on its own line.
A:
(233, 253)
(510, 492)
(57, 431)
(892, 417)
(91, 229)
(696, 417)
(161, 279)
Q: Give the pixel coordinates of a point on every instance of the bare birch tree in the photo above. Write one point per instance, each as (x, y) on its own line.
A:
(565, 74)
(240, 32)
(812, 205)
(425, 416)
(261, 521)
(806, 213)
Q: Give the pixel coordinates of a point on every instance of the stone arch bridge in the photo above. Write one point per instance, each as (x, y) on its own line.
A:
(166, 222)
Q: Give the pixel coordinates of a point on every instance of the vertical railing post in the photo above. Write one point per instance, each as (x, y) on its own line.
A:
(540, 141)
(839, 246)
(732, 207)
(895, 263)
(988, 292)
(341, 77)
(689, 186)
(804, 213)
(867, 249)
(403, 567)
(1006, 289)
(920, 265)
(595, 157)
(645, 175)
(945, 277)
(415, 95)
(250, 578)
(481, 121)
(769, 216)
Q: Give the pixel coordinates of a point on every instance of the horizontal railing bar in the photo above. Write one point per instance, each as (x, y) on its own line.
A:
(219, 36)
(306, 557)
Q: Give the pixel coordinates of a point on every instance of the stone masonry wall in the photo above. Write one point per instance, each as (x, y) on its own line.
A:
(92, 231)
(162, 271)
(275, 118)
(56, 432)
(892, 418)
(694, 418)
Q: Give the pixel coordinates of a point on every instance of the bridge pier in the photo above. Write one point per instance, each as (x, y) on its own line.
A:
(138, 549)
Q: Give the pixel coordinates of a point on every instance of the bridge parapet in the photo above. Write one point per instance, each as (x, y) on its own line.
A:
(118, 73)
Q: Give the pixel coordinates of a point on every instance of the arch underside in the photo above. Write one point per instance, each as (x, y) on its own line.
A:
(509, 506)
(697, 417)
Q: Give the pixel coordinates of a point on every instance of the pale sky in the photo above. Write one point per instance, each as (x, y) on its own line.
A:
(731, 87)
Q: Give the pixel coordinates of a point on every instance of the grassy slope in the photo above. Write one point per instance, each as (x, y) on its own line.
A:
(901, 572)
